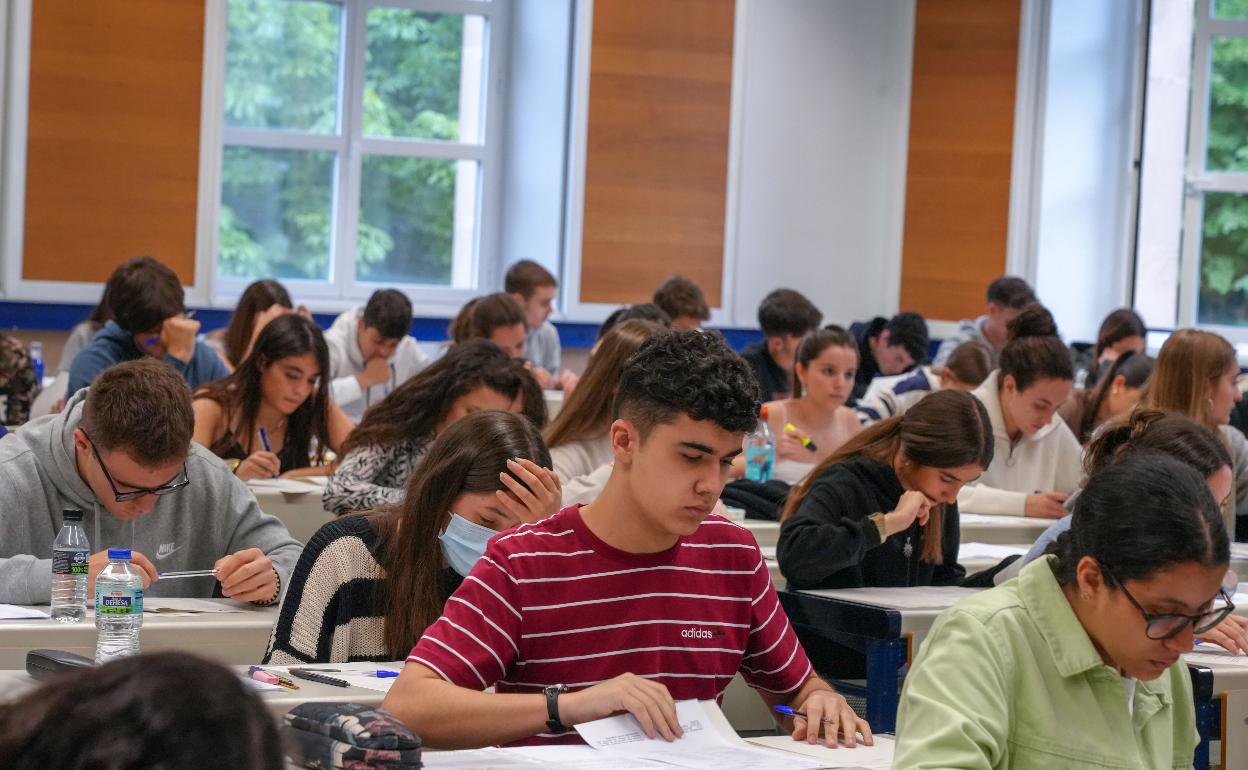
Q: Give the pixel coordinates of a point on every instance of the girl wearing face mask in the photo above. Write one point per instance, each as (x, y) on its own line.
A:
(367, 585)
(1036, 463)
(815, 422)
(882, 511)
(1115, 395)
(1195, 376)
(1078, 660)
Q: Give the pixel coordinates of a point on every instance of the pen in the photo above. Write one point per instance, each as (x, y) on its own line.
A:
(385, 673)
(788, 712)
(187, 573)
(312, 676)
(268, 677)
(264, 441)
(806, 442)
(156, 338)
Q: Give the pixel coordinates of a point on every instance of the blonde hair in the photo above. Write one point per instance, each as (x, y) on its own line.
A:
(1189, 363)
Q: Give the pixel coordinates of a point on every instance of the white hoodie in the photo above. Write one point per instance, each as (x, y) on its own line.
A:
(1046, 461)
(346, 361)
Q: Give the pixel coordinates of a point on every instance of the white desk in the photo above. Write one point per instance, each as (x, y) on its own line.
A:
(554, 402)
(235, 637)
(301, 512)
(765, 532)
(1001, 530)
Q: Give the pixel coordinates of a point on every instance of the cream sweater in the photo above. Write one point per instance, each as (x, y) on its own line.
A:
(1047, 461)
(583, 468)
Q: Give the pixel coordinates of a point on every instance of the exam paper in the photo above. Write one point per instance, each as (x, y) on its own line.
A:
(701, 746)
(286, 486)
(877, 757)
(176, 606)
(1004, 522)
(986, 551)
(1211, 655)
(917, 598)
(15, 612)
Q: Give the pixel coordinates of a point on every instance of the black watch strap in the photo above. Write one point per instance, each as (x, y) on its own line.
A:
(552, 709)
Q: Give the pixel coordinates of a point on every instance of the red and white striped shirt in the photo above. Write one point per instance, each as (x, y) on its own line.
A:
(550, 603)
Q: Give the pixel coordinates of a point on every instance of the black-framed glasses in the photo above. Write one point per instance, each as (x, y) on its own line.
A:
(163, 489)
(1168, 625)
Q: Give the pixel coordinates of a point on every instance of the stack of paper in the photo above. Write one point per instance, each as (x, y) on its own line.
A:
(15, 612)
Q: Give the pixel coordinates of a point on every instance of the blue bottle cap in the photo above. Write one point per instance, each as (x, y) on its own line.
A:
(119, 554)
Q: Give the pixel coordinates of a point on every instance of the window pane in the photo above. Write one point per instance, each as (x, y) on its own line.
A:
(1230, 9)
(417, 221)
(1224, 260)
(281, 66)
(275, 214)
(1228, 106)
(423, 75)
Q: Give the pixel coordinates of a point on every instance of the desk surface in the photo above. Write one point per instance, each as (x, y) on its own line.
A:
(1001, 529)
(234, 637)
(302, 513)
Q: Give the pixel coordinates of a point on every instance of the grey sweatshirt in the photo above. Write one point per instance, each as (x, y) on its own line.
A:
(213, 516)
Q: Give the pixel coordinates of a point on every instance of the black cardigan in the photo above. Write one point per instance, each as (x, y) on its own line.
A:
(830, 543)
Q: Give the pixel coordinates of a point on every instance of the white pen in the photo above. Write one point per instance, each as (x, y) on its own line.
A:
(187, 574)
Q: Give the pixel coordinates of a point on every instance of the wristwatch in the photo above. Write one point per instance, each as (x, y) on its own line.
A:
(552, 709)
(232, 463)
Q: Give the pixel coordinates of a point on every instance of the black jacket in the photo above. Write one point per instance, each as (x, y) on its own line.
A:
(774, 383)
(868, 369)
(830, 543)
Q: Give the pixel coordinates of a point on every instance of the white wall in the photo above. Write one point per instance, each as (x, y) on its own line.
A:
(1084, 251)
(822, 154)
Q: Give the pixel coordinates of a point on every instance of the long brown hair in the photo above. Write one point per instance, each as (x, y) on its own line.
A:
(947, 429)
(418, 406)
(468, 457)
(970, 363)
(1034, 351)
(1189, 363)
(240, 393)
(813, 345)
(587, 412)
(1135, 370)
(1150, 430)
(1117, 326)
(255, 299)
(481, 316)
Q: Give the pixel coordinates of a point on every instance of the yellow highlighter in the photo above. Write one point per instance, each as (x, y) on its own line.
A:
(806, 442)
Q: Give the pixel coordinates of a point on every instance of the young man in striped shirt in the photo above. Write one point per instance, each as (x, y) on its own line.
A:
(627, 604)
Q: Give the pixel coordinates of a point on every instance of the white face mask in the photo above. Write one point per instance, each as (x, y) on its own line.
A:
(463, 543)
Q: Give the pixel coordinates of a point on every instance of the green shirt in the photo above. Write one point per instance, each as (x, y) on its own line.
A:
(1010, 679)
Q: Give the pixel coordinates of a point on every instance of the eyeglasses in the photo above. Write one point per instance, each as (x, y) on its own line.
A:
(1169, 625)
(138, 492)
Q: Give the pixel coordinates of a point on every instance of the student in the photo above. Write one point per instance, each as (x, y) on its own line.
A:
(371, 352)
(1122, 331)
(279, 390)
(121, 452)
(86, 329)
(966, 369)
(18, 384)
(785, 316)
(533, 288)
(815, 422)
(1195, 376)
(585, 600)
(887, 347)
(642, 311)
(149, 320)
(1077, 663)
(367, 586)
(1117, 393)
(260, 302)
(580, 436)
(1036, 462)
(1007, 296)
(882, 511)
(684, 303)
(155, 710)
(495, 317)
(381, 452)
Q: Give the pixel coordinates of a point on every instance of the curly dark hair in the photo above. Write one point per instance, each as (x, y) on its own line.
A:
(693, 373)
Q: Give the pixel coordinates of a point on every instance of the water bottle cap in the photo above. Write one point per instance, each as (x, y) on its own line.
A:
(119, 554)
(71, 514)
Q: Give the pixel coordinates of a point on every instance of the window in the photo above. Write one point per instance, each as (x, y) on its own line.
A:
(355, 145)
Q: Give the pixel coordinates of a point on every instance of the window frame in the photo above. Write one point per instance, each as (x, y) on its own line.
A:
(342, 289)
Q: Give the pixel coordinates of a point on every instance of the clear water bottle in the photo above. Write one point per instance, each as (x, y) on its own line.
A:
(70, 553)
(760, 450)
(118, 607)
(36, 360)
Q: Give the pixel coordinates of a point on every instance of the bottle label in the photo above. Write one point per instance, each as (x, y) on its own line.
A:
(70, 562)
(119, 601)
(758, 463)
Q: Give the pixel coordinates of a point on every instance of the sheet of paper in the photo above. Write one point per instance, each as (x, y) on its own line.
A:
(582, 758)
(15, 612)
(285, 486)
(986, 551)
(701, 746)
(1212, 655)
(476, 759)
(877, 757)
(176, 606)
(918, 598)
(1011, 522)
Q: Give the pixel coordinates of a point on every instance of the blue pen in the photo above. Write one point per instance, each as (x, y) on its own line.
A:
(264, 440)
(385, 673)
(788, 712)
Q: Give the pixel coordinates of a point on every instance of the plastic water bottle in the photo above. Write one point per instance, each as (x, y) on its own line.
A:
(760, 450)
(70, 553)
(36, 360)
(118, 607)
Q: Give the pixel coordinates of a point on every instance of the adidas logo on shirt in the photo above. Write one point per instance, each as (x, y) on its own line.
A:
(699, 633)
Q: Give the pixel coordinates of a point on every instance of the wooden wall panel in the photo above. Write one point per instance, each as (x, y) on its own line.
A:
(112, 157)
(656, 168)
(961, 140)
